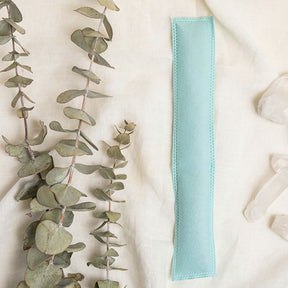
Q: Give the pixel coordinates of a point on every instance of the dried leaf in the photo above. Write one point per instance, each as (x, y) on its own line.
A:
(20, 152)
(29, 235)
(66, 195)
(121, 176)
(22, 284)
(92, 94)
(123, 138)
(101, 262)
(79, 114)
(52, 239)
(14, 25)
(66, 148)
(101, 195)
(121, 165)
(87, 74)
(5, 29)
(89, 32)
(45, 276)
(76, 247)
(115, 152)
(55, 216)
(29, 190)
(57, 175)
(107, 173)
(15, 12)
(115, 186)
(62, 260)
(41, 163)
(46, 197)
(66, 283)
(129, 126)
(68, 95)
(18, 80)
(23, 111)
(87, 169)
(4, 40)
(111, 252)
(98, 59)
(56, 126)
(35, 206)
(90, 12)
(35, 258)
(85, 206)
(108, 27)
(85, 137)
(109, 4)
(41, 136)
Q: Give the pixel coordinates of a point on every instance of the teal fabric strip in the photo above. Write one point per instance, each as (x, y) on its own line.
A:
(193, 147)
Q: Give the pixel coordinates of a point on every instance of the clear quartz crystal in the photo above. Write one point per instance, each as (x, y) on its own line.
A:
(273, 104)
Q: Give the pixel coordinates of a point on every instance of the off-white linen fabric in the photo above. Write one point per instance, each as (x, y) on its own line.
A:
(251, 49)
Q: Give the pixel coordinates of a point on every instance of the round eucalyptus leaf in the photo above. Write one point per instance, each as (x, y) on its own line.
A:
(57, 175)
(115, 186)
(85, 206)
(55, 216)
(112, 6)
(29, 235)
(66, 283)
(15, 12)
(62, 260)
(76, 247)
(22, 284)
(107, 173)
(35, 206)
(106, 284)
(101, 195)
(52, 239)
(79, 114)
(66, 148)
(111, 252)
(68, 95)
(35, 258)
(87, 169)
(89, 12)
(123, 138)
(87, 74)
(46, 197)
(45, 276)
(66, 195)
(115, 152)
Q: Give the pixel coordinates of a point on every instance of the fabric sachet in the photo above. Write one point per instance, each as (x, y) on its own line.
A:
(193, 147)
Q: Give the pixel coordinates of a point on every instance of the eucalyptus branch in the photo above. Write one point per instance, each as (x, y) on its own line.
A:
(114, 152)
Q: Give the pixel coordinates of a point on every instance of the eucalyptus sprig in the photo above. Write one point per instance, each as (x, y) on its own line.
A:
(103, 232)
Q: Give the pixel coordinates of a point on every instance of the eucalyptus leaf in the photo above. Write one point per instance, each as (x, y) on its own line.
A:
(29, 235)
(123, 138)
(93, 95)
(45, 276)
(106, 284)
(98, 59)
(15, 12)
(103, 234)
(55, 216)
(62, 260)
(85, 137)
(16, 99)
(87, 169)
(85, 206)
(46, 197)
(101, 262)
(29, 190)
(56, 126)
(35, 258)
(108, 27)
(87, 74)
(79, 114)
(66, 195)
(121, 176)
(20, 152)
(115, 186)
(107, 173)
(90, 12)
(39, 164)
(66, 148)
(109, 4)
(51, 238)
(111, 252)
(101, 195)
(57, 175)
(15, 25)
(23, 111)
(76, 276)
(93, 33)
(18, 80)
(41, 136)
(115, 152)
(129, 126)
(66, 283)
(35, 206)
(76, 247)
(5, 28)
(4, 40)
(68, 95)
(11, 66)
(22, 284)
(113, 216)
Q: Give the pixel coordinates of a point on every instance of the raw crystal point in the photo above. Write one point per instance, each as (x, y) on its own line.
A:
(273, 104)
(280, 226)
(279, 161)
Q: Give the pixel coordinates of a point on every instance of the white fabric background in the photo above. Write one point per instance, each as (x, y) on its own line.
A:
(251, 49)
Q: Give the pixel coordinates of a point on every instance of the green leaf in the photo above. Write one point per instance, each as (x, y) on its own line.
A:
(29, 190)
(20, 152)
(108, 27)
(62, 260)
(35, 206)
(66, 148)
(109, 4)
(23, 110)
(68, 95)
(41, 136)
(46, 197)
(100, 60)
(5, 29)
(89, 12)
(129, 126)
(55, 216)
(45, 276)
(85, 137)
(111, 252)
(77, 38)
(29, 235)
(79, 114)
(101, 225)
(115, 152)
(93, 95)
(56, 126)
(120, 269)
(57, 175)
(15, 99)
(22, 284)
(85, 206)
(107, 173)
(18, 80)
(115, 186)
(101, 262)
(89, 32)
(35, 258)
(87, 169)
(123, 138)
(101, 195)
(99, 234)
(4, 40)
(66, 283)
(76, 276)
(36, 166)
(121, 176)
(11, 66)
(113, 216)
(76, 247)
(52, 239)
(66, 195)
(28, 68)
(106, 284)
(15, 25)
(87, 74)
(15, 12)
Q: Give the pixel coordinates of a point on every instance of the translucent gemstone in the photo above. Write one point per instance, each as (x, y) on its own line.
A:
(273, 104)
